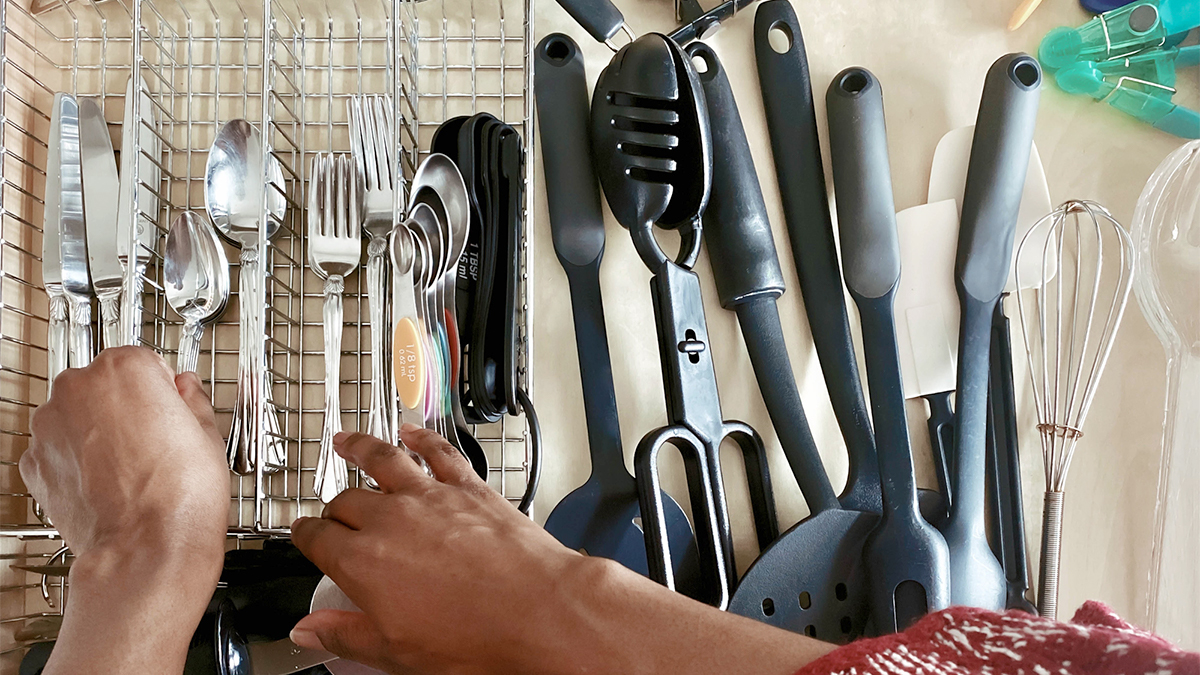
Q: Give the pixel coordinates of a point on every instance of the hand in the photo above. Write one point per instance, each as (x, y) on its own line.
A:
(127, 461)
(451, 578)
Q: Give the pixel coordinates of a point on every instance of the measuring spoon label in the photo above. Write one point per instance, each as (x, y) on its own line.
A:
(409, 365)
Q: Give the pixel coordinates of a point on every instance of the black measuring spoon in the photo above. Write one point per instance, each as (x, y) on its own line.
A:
(907, 560)
(601, 517)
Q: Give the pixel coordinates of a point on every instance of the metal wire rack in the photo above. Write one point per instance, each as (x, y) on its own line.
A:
(287, 66)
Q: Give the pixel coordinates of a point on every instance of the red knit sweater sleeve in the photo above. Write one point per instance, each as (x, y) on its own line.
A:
(967, 641)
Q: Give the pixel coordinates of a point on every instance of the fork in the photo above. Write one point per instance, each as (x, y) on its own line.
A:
(335, 204)
(371, 147)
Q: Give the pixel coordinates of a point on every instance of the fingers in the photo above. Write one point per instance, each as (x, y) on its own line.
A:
(349, 635)
(392, 469)
(446, 462)
(352, 507)
(193, 394)
(321, 540)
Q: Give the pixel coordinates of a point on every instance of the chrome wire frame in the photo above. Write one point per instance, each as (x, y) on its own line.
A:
(288, 67)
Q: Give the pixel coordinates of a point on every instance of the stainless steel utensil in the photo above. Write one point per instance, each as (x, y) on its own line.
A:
(52, 277)
(371, 146)
(1087, 269)
(235, 197)
(140, 174)
(195, 280)
(73, 237)
(335, 204)
(100, 189)
(433, 264)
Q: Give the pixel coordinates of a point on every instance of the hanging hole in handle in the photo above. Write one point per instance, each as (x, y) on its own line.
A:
(853, 82)
(1027, 73)
(700, 63)
(558, 50)
(779, 36)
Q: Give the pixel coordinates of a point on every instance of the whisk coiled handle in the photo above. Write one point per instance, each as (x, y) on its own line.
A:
(1051, 539)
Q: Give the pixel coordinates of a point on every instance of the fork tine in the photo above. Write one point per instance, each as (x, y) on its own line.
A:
(357, 142)
(383, 139)
(371, 165)
(314, 197)
(327, 208)
(356, 201)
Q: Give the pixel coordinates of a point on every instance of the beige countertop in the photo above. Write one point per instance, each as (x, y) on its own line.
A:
(930, 56)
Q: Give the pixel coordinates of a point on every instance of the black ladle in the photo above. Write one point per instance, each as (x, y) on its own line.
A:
(653, 145)
(602, 516)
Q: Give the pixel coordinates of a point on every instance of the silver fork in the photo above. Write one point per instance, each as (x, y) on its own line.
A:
(335, 203)
(371, 145)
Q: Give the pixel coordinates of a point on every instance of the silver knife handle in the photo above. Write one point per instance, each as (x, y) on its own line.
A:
(80, 311)
(110, 320)
(133, 307)
(331, 477)
(57, 338)
(189, 347)
(378, 420)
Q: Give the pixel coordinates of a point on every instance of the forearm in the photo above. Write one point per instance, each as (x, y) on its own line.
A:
(134, 611)
(611, 620)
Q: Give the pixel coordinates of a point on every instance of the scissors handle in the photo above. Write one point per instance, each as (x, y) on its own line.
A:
(714, 585)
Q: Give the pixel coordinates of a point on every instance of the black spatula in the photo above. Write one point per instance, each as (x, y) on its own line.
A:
(906, 557)
(995, 181)
(601, 517)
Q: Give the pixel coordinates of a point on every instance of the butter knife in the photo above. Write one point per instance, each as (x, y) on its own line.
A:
(100, 189)
(139, 147)
(73, 242)
(51, 250)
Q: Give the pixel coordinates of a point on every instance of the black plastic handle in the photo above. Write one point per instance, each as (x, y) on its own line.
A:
(995, 181)
(600, 18)
(792, 122)
(736, 228)
(996, 174)
(577, 229)
(941, 442)
(863, 180)
(576, 219)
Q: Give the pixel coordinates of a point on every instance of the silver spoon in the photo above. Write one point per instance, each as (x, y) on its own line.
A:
(424, 224)
(196, 275)
(234, 194)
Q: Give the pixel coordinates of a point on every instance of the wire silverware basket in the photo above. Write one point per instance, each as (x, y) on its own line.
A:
(287, 66)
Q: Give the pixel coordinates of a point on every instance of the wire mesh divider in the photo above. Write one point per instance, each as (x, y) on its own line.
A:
(289, 67)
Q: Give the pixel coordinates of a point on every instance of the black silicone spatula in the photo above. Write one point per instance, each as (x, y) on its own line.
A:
(792, 121)
(995, 180)
(907, 560)
(601, 517)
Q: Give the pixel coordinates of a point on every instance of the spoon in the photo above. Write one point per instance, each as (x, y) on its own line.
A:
(196, 275)
(424, 224)
(234, 193)
(438, 183)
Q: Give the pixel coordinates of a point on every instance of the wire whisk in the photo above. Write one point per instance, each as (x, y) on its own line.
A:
(1069, 321)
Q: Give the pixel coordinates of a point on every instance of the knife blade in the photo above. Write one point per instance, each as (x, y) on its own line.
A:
(51, 249)
(283, 656)
(100, 189)
(139, 147)
(73, 242)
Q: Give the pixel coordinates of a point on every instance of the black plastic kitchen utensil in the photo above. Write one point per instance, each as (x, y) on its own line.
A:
(600, 18)
(995, 181)
(652, 143)
(1006, 462)
(906, 557)
(602, 516)
(941, 443)
(792, 122)
(746, 269)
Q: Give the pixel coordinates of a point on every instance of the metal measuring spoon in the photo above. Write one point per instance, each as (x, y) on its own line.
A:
(196, 276)
(424, 224)
(234, 195)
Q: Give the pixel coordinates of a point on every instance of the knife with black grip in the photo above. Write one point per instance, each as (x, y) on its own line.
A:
(601, 516)
(748, 277)
(995, 181)
(907, 560)
(792, 123)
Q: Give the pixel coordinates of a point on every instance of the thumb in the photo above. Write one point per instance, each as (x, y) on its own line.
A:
(193, 395)
(350, 635)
